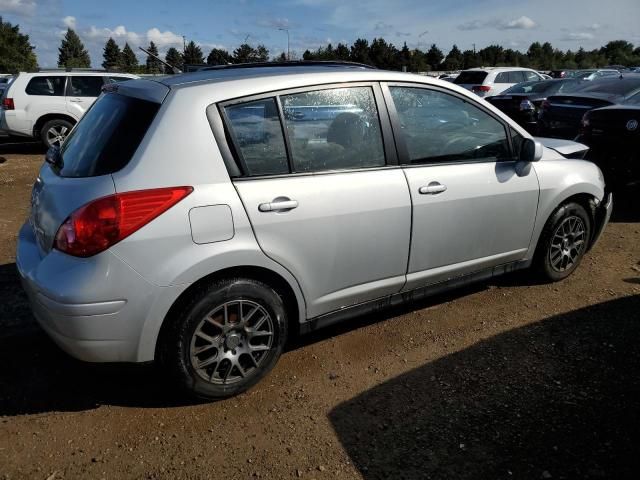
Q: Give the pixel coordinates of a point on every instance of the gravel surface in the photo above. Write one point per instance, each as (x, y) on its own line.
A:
(506, 379)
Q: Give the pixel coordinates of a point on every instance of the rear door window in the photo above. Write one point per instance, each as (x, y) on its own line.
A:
(516, 77)
(107, 136)
(503, 77)
(116, 79)
(85, 86)
(333, 129)
(52, 86)
(530, 76)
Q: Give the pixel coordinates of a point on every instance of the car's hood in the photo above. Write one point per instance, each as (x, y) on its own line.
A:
(566, 148)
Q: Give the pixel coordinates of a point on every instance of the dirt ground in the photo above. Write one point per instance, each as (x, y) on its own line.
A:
(507, 379)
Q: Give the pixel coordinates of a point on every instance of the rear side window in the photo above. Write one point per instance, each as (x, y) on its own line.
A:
(258, 135)
(117, 79)
(107, 136)
(333, 129)
(85, 86)
(48, 86)
(503, 77)
(475, 77)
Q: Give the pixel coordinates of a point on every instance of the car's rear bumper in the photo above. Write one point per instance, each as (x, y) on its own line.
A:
(602, 216)
(93, 308)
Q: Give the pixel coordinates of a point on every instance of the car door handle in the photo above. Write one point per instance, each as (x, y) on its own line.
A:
(278, 205)
(75, 100)
(432, 189)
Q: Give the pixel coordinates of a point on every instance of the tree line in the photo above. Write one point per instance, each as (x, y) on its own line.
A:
(17, 54)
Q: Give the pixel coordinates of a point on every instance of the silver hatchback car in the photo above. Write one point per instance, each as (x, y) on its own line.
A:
(199, 220)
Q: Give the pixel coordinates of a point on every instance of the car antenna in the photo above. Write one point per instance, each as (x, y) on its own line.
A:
(175, 69)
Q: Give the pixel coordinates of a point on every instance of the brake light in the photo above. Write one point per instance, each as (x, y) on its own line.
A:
(545, 105)
(102, 223)
(481, 88)
(7, 104)
(527, 105)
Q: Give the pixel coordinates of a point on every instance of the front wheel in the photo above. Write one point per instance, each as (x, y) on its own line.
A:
(227, 338)
(563, 242)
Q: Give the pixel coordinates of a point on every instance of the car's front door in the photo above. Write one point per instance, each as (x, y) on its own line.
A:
(82, 91)
(471, 209)
(325, 198)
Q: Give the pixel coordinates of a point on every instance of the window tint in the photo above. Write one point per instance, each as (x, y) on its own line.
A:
(516, 77)
(107, 136)
(475, 77)
(118, 79)
(502, 77)
(439, 127)
(52, 86)
(85, 86)
(258, 134)
(530, 76)
(333, 129)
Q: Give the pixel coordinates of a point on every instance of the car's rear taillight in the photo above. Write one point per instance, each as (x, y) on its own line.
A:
(7, 104)
(545, 105)
(102, 223)
(481, 88)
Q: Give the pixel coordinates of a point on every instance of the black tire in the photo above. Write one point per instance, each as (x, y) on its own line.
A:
(180, 341)
(556, 240)
(63, 127)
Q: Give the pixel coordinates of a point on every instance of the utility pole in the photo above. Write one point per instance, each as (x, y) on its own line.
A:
(474, 48)
(288, 51)
(184, 44)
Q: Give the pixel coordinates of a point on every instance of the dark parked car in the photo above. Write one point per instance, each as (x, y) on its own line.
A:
(613, 135)
(560, 115)
(522, 101)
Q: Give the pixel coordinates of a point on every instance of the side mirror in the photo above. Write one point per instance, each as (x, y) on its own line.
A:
(530, 151)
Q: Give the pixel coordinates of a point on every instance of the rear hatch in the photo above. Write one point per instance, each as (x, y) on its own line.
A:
(615, 122)
(103, 142)
(509, 103)
(470, 78)
(567, 110)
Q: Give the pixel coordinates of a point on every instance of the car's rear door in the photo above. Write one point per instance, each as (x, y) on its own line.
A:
(323, 191)
(471, 209)
(82, 91)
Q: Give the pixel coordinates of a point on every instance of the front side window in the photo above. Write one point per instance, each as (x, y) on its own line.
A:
(438, 127)
(258, 137)
(85, 86)
(47, 86)
(531, 76)
(333, 129)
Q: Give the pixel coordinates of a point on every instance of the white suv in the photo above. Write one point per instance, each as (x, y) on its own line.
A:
(47, 104)
(488, 81)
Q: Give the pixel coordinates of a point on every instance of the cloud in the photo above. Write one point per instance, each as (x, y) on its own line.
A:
(522, 23)
(573, 36)
(274, 23)
(18, 7)
(381, 26)
(69, 22)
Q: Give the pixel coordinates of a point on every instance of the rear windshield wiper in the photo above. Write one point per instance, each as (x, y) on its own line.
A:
(54, 158)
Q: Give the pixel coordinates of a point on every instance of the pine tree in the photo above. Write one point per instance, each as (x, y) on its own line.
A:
(434, 57)
(111, 55)
(193, 54)
(153, 64)
(245, 53)
(16, 53)
(173, 58)
(218, 56)
(72, 53)
(128, 60)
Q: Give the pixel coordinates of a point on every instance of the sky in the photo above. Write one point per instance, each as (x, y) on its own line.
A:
(567, 24)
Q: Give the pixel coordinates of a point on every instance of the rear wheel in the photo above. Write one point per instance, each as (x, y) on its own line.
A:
(228, 337)
(563, 242)
(54, 132)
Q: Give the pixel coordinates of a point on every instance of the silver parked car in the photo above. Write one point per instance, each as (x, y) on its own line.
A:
(201, 219)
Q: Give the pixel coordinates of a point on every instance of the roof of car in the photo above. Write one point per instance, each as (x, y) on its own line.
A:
(311, 72)
(496, 69)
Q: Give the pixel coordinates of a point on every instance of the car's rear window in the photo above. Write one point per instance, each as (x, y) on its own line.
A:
(108, 135)
(475, 77)
(617, 86)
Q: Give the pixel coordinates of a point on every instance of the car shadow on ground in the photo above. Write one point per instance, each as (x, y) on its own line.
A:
(556, 399)
(19, 146)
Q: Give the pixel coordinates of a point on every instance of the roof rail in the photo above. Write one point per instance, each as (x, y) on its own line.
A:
(292, 63)
(71, 69)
